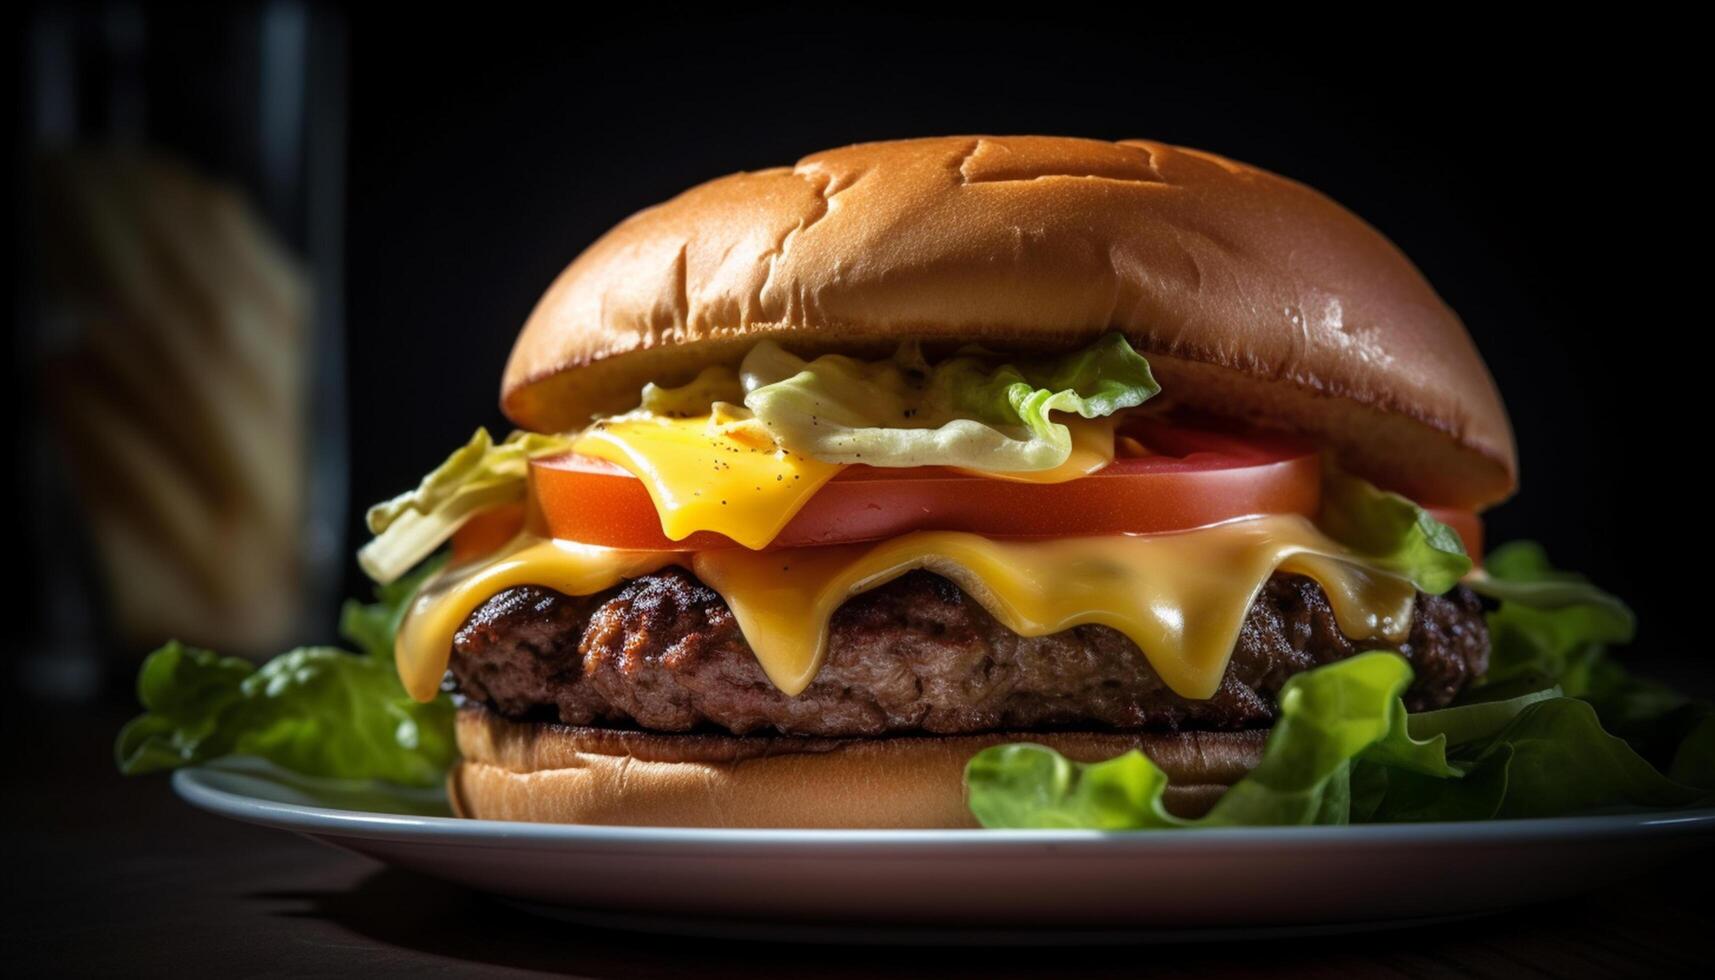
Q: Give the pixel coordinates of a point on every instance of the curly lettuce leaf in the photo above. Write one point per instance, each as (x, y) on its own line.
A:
(185, 692)
(1553, 623)
(1549, 622)
(1519, 573)
(478, 475)
(1477, 718)
(318, 711)
(1345, 749)
(1394, 533)
(1552, 759)
(972, 410)
(1328, 717)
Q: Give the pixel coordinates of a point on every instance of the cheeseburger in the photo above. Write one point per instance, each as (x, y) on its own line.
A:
(830, 478)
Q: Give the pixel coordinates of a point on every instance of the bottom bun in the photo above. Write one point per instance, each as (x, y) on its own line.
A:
(551, 773)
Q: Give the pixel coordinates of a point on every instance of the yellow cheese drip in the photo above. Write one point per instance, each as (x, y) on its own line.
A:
(1180, 597)
(425, 637)
(707, 475)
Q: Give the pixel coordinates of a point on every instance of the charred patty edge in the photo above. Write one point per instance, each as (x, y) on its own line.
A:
(663, 653)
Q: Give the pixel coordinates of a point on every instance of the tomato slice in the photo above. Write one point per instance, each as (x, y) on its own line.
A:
(1196, 477)
(486, 531)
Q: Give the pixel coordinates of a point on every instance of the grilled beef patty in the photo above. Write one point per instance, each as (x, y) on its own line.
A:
(664, 653)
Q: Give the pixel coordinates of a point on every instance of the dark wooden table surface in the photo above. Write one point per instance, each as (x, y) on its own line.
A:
(108, 876)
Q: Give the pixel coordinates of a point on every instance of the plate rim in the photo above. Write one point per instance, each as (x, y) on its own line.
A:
(198, 786)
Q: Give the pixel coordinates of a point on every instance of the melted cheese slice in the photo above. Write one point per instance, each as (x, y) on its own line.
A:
(708, 475)
(425, 638)
(1180, 597)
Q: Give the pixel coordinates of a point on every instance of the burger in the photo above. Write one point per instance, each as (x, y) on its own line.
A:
(837, 475)
(1012, 482)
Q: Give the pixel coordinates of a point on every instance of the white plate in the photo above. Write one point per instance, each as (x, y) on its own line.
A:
(980, 886)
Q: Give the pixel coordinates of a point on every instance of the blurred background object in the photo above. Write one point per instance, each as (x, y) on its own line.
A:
(176, 328)
(183, 357)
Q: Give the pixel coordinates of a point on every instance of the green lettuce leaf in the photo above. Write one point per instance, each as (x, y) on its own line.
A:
(1394, 533)
(185, 692)
(478, 475)
(1345, 749)
(1520, 573)
(1549, 622)
(1553, 623)
(1480, 717)
(1552, 759)
(319, 711)
(973, 410)
(1328, 717)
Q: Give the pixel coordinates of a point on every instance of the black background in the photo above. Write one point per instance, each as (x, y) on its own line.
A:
(1541, 175)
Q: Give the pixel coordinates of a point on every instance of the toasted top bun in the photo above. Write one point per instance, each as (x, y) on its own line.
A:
(1254, 296)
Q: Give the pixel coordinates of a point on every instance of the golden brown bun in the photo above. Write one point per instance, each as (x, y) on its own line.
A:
(559, 774)
(1255, 296)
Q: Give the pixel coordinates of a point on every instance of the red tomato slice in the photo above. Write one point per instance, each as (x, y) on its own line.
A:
(1197, 478)
(486, 531)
